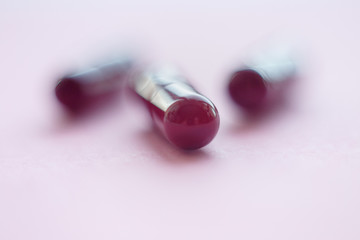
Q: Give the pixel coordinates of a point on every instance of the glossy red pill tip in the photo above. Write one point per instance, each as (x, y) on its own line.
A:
(186, 118)
(262, 81)
(85, 89)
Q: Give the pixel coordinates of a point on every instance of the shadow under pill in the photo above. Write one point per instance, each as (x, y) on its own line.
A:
(250, 121)
(169, 153)
(67, 121)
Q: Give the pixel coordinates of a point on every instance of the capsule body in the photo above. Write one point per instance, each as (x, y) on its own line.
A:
(88, 88)
(186, 118)
(263, 80)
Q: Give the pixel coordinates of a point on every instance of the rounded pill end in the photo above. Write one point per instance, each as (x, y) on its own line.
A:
(70, 94)
(248, 89)
(191, 123)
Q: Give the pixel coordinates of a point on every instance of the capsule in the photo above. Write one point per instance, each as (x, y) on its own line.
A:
(263, 80)
(85, 89)
(186, 118)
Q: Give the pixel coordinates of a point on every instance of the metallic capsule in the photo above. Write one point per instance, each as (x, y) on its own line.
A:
(186, 118)
(88, 88)
(263, 80)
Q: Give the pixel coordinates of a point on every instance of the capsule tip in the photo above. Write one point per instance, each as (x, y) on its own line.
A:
(69, 93)
(191, 123)
(247, 88)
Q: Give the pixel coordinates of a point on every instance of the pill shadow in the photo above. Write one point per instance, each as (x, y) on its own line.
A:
(66, 120)
(170, 154)
(246, 122)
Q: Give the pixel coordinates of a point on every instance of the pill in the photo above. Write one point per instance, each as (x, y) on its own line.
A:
(88, 88)
(262, 81)
(186, 118)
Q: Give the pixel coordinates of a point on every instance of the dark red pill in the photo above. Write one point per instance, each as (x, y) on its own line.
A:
(88, 88)
(263, 81)
(186, 118)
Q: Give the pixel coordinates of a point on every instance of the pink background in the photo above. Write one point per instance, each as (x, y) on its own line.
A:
(294, 175)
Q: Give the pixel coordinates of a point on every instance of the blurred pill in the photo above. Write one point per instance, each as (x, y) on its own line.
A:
(186, 118)
(85, 89)
(262, 80)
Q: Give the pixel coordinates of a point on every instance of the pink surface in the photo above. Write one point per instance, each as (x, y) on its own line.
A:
(294, 175)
